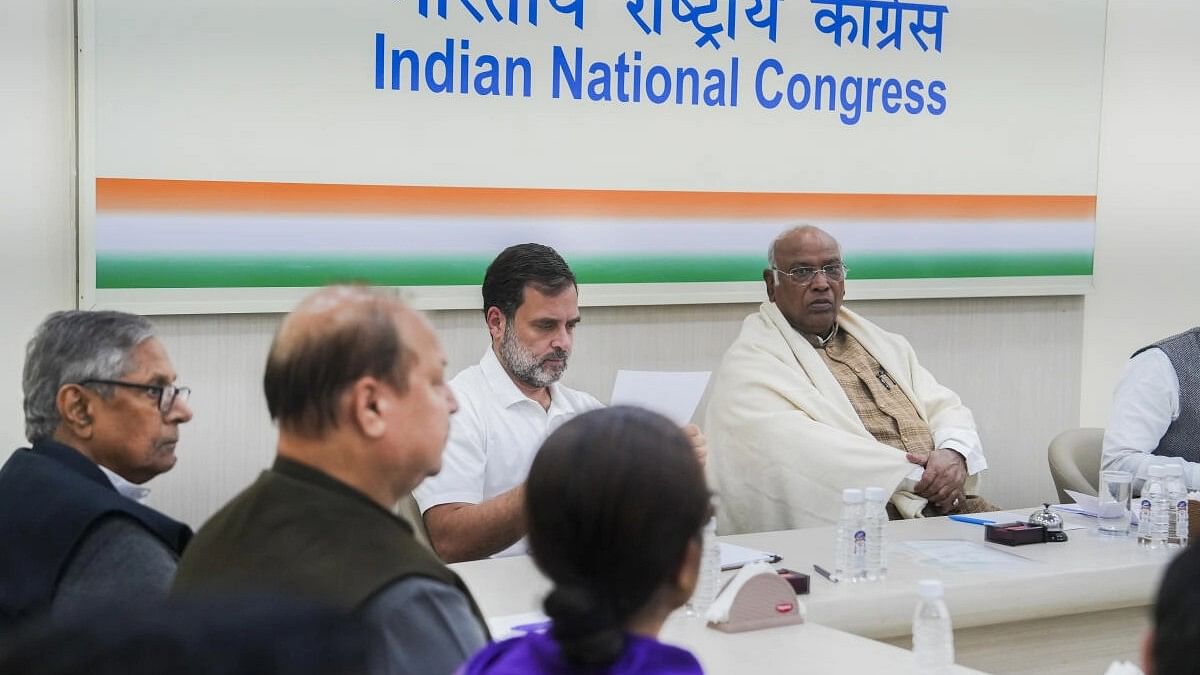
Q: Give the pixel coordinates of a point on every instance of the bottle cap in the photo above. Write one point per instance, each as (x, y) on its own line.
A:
(1172, 470)
(1157, 471)
(852, 496)
(930, 589)
(874, 494)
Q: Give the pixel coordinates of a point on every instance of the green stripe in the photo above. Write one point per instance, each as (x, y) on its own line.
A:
(114, 271)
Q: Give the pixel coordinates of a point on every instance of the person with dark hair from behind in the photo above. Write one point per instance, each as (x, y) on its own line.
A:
(619, 559)
(1170, 647)
(102, 414)
(355, 383)
(255, 635)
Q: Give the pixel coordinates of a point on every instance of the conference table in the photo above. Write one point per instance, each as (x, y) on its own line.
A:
(1066, 608)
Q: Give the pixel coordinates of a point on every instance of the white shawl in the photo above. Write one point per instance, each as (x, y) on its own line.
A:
(785, 441)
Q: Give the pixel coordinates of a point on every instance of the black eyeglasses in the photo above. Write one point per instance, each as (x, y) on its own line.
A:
(805, 275)
(167, 394)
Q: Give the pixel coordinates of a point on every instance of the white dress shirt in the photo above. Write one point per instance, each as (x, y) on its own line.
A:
(494, 437)
(132, 491)
(1145, 403)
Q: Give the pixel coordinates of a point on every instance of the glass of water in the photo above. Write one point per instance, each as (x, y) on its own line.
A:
(1113, 502)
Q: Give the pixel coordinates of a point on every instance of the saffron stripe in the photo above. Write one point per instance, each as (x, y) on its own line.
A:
(115, 195)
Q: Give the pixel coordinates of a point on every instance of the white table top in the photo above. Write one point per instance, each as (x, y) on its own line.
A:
(1089, 573)
(1086, 574)
(803, 648)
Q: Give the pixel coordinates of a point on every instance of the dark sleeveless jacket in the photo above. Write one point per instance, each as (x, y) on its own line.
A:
(51, 496)
(1182, 438)
(297, 531)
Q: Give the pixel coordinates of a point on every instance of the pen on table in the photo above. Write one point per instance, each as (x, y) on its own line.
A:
(973, 521)
(825, 573)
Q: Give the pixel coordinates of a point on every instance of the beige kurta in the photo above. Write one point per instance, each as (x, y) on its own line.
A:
(783, 438)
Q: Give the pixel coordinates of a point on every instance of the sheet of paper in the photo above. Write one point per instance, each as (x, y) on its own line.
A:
(1074, 508)
(734, 556)
(1084, 504)
(674, 395)
(1087, 505)
(962, 556)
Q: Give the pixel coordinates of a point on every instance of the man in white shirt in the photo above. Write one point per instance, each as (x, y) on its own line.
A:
(508, 404)
(1156, 411)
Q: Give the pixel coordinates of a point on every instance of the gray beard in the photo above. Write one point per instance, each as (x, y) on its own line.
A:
(524, 365)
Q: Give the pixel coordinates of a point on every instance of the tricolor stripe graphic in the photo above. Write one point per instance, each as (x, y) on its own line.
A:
(152, 233)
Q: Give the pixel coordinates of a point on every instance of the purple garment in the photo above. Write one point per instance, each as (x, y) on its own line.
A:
(538, 653)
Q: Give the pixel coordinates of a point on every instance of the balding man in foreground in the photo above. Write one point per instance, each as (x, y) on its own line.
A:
(812, 398)
(355, 383)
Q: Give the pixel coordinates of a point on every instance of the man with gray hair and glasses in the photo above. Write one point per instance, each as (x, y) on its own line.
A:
(102, 414)
(812, 398)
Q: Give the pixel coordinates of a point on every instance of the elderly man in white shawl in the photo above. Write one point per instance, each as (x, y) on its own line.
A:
(812, 398)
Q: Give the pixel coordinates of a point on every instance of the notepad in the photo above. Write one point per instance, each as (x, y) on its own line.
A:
(734, 556)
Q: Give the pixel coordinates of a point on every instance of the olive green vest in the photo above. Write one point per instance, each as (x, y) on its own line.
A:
(300, 532)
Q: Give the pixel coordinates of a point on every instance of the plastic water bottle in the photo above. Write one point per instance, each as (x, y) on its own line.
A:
(932, 632)
(875, 520)
(710, 572)
(1153, 516)
(851, 538)
(1177, 505)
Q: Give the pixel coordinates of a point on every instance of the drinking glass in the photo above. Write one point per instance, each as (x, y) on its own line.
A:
(1113, 502)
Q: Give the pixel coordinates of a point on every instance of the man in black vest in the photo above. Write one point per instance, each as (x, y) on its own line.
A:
(102, 413)
(356, 386)
(1156, 411)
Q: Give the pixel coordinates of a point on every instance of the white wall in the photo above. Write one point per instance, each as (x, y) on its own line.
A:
(1148, 238)
(37, 205)
(1015, 361)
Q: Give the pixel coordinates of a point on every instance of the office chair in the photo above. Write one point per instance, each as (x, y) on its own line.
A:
(1074, 457)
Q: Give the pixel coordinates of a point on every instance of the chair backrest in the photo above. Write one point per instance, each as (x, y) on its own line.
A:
(409, 511)
(1074, 457)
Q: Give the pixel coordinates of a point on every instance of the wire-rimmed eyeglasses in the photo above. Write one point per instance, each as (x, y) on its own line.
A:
(167, 394)
(802, 276)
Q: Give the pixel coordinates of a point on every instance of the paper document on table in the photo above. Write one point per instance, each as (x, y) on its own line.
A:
(962, 556)
(734, 556)
(1085, 505)
(674, 395)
